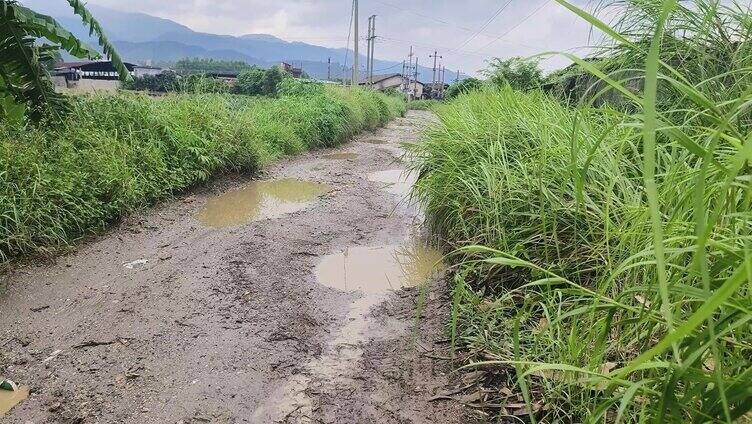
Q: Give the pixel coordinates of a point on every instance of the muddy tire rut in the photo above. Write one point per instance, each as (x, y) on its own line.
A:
(166, 320)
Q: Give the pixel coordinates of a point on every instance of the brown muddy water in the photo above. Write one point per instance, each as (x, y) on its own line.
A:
(379, 269)
(260, 200)
(341, 156)
(9, 399)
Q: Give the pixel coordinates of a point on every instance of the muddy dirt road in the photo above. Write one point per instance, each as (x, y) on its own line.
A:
(227, 305)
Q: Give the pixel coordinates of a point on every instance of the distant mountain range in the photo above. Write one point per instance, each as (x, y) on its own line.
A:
(141, 38)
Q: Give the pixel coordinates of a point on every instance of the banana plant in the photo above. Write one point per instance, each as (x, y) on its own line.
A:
(26, 90)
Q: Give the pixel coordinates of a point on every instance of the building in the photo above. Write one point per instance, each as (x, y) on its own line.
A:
(89, 76)
(397, 82)
(291, 69)
(144, 70)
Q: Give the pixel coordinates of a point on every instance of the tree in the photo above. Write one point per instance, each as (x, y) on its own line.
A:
(25, 86)
(465, 86)
(251, 82)
(260, 82)
(272, 77)
(520, 74)
(201, 66)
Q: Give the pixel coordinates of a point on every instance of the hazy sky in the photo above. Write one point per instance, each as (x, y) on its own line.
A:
(446, 26)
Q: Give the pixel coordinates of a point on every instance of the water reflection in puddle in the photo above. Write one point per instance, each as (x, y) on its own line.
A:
(379, 269)
(395, 181)
(9, 399)
(341, 156)
(260, 200)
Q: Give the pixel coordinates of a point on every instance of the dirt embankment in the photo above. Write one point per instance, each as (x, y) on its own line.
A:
(189, 314)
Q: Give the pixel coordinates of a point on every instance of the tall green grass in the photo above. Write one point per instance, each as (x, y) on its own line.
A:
(117, 153)
(605, 257)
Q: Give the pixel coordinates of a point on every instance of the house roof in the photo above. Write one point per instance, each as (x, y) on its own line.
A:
(378, 78)
(92, 65)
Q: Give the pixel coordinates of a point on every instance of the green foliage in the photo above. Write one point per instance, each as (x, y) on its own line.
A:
(272, 77)
(161, 83)
(299, 87)
(117, 153)
(203, 66)
(260, 82)
(23, 63)
(614, 280)
(250, 82)
(202, 84)
(464, 86)
(520, 74)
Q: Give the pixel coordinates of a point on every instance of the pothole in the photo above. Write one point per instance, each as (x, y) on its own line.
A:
(11, 398)
(259, 200)
(341, 156)
(379, 269)
(395, 181)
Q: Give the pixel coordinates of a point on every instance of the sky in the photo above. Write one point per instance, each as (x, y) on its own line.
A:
(466, 33)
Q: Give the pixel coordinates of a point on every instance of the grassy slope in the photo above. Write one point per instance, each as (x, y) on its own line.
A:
(118, 153)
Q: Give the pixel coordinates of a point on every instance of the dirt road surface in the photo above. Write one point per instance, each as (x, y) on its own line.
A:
(171, 318)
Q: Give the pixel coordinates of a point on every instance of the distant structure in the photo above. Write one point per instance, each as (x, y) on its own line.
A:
(397, 82)
(292, 70)
(88, 76)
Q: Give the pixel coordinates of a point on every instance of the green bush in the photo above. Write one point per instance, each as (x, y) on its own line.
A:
(519, 73)
(203, 84)
(465, 86)
(260, 82)
(161, 83)
(117, 153)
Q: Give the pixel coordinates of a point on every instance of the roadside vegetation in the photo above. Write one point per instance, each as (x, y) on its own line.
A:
(423, 104)
(604, 254)
(117, 153)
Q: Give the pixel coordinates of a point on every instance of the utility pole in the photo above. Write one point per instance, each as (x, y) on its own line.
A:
(372, 49)
(404, 86)
(356, 65)
(435, 56)
(458, 76)
(409, 73)
(415, 81)
(329, 69)
(368, 52)
(443, 76)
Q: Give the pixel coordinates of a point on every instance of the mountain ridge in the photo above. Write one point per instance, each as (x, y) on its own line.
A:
(143, 38)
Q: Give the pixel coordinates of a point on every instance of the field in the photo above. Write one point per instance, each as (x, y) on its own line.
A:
(604, 257)
(117, 153)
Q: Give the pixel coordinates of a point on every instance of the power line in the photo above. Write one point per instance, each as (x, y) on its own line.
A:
(347, 46)
(515, 26)
(485, 25)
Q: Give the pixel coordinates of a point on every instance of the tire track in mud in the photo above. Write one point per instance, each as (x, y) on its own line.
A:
(229, 324)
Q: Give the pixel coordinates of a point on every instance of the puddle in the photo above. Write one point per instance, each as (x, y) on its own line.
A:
(9, 399)
(260, 200)
(341, 156)
(375, 141)
(379, 269)
(395, 181)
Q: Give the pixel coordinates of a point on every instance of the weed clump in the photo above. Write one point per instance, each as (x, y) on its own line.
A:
(604, 254)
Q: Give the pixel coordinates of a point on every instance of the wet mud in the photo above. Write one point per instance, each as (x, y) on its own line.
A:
(225, 305)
